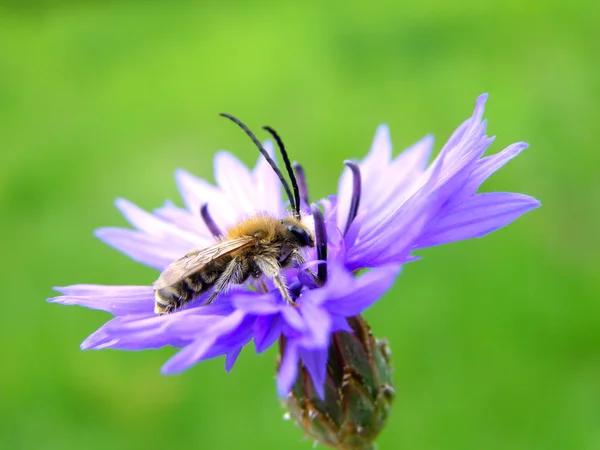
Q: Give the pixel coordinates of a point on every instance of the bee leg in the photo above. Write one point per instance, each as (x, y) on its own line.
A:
(270, 268)
(236, 272)
(297, 257)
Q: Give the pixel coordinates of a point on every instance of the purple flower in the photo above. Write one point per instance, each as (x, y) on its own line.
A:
(406, 205)
(385, 209)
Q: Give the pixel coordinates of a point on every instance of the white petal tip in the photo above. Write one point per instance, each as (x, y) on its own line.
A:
(122, 203)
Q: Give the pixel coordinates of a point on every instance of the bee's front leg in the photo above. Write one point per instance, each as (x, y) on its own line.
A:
(270, 268)
(298, 259)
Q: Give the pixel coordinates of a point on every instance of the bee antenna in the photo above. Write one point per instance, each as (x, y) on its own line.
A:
(272, 163)
(288, 167)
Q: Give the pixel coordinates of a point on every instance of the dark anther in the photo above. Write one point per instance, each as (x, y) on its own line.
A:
(356, 190)
(321, 242)
(301, 182)
(208, 220)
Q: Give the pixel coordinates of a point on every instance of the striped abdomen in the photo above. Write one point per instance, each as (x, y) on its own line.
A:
(172, 298)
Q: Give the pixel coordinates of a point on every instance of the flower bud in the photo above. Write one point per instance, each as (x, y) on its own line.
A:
(358, 391)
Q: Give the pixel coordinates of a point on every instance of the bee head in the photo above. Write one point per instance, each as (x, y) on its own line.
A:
(297, 232)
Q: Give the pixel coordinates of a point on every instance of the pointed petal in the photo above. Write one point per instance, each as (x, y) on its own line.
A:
(111, 335)
(197, 351)
(267, 187)
(340, 323)
(153, 225)
(255, 303)
(102, 290)
(481, 214)
(370, 167)
(318, 322)
(293, 318)
(196, 191)
(288, 369)
(380, 154)
(485, 168)
(154, 251)
(315, 362)
(235, 180)
(118, 300)
(365, 291)
(184, 219)
(232, 357)
(267, 330)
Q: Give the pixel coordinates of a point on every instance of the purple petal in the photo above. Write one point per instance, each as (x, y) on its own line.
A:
(235, 180)
(103, 291)
(153, 225)
(455, 170)
(182, 325)
(154, 251)
(97, 339)
(196, 191)
(186, 220)
(267, 330)
(485, 168)
(288, 370)
(392, 185)
(318, 322)
(202, 345)
(111, 335)
(268, 188)
(404, 224)
(365, 291)
(378, 157)
(339, 323)
(481, 214)
(118, 300)
(414, 158)
(315, 362)
(393, 238)
(293, 318)
(255, 303)
(232, 357)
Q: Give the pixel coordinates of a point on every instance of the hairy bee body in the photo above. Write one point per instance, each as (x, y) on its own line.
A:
(260, 245)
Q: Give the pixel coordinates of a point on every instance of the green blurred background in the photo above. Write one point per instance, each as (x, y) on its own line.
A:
(496, 342)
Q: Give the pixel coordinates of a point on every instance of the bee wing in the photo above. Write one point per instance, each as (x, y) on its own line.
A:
(195, 260)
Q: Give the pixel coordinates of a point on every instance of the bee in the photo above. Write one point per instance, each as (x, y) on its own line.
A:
(258, 246)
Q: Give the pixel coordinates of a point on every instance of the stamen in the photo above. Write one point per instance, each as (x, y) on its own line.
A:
(301, 182)
(208, 220)
(356, 191)
(321, 242)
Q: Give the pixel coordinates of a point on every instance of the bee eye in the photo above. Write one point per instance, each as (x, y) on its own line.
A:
(301, 236)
